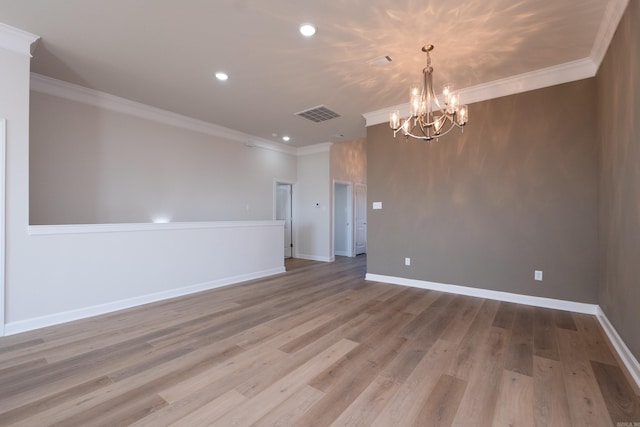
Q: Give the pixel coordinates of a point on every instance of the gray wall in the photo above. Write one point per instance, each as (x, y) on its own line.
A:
(516, 192)
(619, 124)
(93, 165)
(349, 161)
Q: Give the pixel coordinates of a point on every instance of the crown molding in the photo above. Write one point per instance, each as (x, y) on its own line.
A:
(17, 40)
(73, 92)
(563, 73)
(545, 77)
(61, 89)
(608, 26)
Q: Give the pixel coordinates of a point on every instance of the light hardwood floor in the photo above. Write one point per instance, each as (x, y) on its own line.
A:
(318, 346)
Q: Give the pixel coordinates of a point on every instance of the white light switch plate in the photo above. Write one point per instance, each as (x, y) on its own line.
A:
(377, 205)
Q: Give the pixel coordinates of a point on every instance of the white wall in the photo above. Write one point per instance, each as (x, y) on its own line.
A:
(70, 272)
(313, 209)
(59, 273)
(14, 107)
(92, 165)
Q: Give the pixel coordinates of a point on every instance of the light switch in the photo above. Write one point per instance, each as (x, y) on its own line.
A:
(377, 205)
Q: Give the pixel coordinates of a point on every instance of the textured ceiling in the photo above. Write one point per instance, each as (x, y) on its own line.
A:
(164, 53)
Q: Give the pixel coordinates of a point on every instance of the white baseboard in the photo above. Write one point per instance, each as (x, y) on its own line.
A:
(315, 258)
(344, 253)
(630, 362)
(557, 304)
(96, 310)
(625, 354)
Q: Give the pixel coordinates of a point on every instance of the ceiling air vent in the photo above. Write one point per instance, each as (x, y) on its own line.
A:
(318, 114)
(380, 61)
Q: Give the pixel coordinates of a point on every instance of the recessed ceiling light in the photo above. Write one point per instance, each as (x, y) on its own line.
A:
(286, 138)
(307, 30)
(221, 76)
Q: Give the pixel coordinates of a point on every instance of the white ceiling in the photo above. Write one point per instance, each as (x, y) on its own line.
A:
(164, 53)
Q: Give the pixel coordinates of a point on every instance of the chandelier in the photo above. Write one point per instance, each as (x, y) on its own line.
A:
(428, 117)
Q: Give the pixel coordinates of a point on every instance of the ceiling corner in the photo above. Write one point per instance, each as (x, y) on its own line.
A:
(16, 40)
(608, 26)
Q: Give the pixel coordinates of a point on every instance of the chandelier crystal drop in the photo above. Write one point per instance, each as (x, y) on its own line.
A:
(429, 116)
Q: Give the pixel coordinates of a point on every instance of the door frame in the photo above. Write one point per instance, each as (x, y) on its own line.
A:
(350, 216)
(276, 182)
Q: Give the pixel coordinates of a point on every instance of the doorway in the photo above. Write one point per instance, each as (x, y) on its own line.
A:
(3, 148)
(342, 219)
(361, 219)
(284, 212)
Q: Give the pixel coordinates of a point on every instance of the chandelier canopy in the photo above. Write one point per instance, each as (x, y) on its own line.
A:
(429, 116)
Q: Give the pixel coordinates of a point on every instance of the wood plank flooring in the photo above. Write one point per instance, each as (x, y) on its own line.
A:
(318, 346)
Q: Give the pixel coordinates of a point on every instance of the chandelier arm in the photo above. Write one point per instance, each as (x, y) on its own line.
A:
(451, 126)
(427, 136)
(425, 126)
(433, 94)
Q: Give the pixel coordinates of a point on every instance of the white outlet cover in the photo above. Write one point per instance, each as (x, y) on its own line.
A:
(407, 261)
(537, 275)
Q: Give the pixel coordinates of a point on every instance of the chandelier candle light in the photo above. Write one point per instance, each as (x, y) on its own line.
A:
(428, 119)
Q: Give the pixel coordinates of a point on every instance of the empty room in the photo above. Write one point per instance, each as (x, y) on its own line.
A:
(294, 213)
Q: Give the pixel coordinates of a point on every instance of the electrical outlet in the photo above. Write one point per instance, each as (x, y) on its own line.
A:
(537, 275)
(407, 261)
